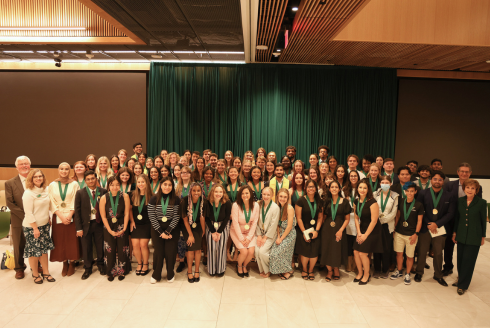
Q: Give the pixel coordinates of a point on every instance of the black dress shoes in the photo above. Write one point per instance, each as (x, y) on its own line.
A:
(455, 284)
(447, 272)
(101, 270)
(418, 278)
(181, 267)
(441, 281)
(86, 274)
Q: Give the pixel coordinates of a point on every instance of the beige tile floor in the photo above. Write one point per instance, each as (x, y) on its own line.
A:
(234, 302)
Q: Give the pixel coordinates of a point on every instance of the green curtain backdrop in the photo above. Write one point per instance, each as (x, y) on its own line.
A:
(246, 106)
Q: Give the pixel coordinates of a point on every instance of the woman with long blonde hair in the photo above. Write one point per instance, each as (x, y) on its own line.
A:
(103, 171)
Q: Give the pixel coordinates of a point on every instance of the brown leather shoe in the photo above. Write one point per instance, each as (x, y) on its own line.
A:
(65, 269)
(71, 269)
(19, 274)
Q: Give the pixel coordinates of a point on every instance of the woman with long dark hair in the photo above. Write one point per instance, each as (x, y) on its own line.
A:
(270, 167)
(349, 192)
(255, 182)
(197, 175)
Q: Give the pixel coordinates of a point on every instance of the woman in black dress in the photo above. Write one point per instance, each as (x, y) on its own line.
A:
(140, 223)
(193, 218)
(334, 238)
(309, 214)
(197, 175)
(255, 182)
(368, 238)
(115, 217)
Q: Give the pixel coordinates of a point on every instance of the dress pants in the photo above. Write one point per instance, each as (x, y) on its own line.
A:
(262, 255)
(466, 261)
(164, 249)
(449, 247)
(423, 246)
(95, 233)
(19, 241)
(382, 261)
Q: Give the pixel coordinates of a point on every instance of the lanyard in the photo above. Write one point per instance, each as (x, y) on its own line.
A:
(164, 205)
(247, 214)
(257, 193)
(233, 192)
(359, 208)
(81, 185)
(334, 208)
(405, 213)
(222, 180)
(216, 211)
(62, 193)
(93, 201)
(434, 199)
(312, 208)
(125, 189)
(206, 190)
(194, 210)
(114, 206)
(373, 188)
(142, 203)
(156, 187)
(266, 211)
(383, 205)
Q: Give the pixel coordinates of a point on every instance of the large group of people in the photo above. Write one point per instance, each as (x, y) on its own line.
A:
(259, 207)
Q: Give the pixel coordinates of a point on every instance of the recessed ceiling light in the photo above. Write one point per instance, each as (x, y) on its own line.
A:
(18, 52)
(156, 56)
(278, 50)
(41, 28)
(119, 51)
(294, 9)
(262, 47)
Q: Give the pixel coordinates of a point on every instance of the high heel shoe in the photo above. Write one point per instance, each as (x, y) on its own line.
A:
(190, 280)
(144, 273)
(197, 279)
(241, 275)
(138, 272)
(365, 282)
(357, 280)
(245, 274)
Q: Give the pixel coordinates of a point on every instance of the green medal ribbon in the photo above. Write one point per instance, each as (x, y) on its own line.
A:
(312, 208)
(426, 185)
(93, 201)
(62, 193)
(81, 185)
(142, 203)
(164, 205)
(266, 211)
(277, 185)
(103, 182)
(257, 193)
(123, 164)
(434, 199)
(125, 189)
(280, 216)
(373, 188)
(352, 197)
(297, 195)
(405, 213)
(233, 192)
(247, 215)
(403, 194)
(334, 208)
(383, 205)
(156, 187)
(359, 208)
(195, 210)
(206, 190)
(222, 180)
(216, 212)
(114, 206)
(185, 191)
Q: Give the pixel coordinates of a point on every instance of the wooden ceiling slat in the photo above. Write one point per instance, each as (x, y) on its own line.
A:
(270, 20)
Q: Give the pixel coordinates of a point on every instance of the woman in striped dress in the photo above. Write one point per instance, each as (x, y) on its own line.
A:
(163, 211)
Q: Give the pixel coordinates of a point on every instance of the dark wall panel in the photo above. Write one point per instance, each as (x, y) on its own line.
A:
(63, 116)
(447, 119)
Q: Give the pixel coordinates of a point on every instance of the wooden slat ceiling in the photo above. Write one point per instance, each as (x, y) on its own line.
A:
(271, 13)
(314, 24)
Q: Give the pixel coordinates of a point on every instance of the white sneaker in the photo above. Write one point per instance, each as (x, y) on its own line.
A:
(171, 280)
(153, 280)
(407, 280)
(396, 274)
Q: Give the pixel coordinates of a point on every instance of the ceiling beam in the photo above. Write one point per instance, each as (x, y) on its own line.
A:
(249, 11)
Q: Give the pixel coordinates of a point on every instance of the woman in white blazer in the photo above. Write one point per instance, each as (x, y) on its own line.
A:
(266, 231)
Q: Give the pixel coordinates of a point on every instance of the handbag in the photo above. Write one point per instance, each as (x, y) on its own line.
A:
(7, 261)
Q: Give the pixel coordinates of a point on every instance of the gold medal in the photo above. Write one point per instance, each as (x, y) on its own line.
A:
(63, 204)
(140, 216)
(114, 220)
(435, 211)
(381, 216)
(312, 222)
(94, 211)
(164, 219)
(332, 224)
(405, 224)
(247, 227)
(194, 225)
(216, 225)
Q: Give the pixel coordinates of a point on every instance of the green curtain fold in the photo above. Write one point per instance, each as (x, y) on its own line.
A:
(246, 106)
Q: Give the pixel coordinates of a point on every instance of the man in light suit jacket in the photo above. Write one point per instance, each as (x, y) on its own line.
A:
(14, 189)
(456, 190)
(89, 223)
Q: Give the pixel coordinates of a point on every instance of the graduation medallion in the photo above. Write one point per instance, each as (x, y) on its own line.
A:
(63, 204)
(94, 211)
(312, 222)
(140, 216)
(194, 225)
(216, 225)
(405, 224)
(164, 219)
(435, 211)
(332, 224)
(247, 227)
(114, 220)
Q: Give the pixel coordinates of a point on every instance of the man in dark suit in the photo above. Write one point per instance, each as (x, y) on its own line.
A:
(89, 223)
(404, 175)
(440, 208)
(456, 190)
(14, 189)
(389, 168)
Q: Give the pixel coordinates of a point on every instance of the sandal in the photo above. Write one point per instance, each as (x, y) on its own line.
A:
(190, 280)
(304, 277)
(138, 272)
(197, 279)
(310, 277)
(36, 281)
(327, 278)
(283, 277)
(49, 278)
(336, 277)
(145, 272)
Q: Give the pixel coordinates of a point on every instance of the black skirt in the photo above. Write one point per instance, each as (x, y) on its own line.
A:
(197, 233)
(142, 231)
(333, 253)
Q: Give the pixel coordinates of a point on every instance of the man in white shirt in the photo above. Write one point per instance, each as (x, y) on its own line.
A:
(323, 153)
(352, 162)
(14, 189)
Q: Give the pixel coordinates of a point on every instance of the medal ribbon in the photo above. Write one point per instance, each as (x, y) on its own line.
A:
(405, 213)
(266, 211)
(125, 189)
(434, 199)
(233, 192)
(206, 190)
(383, 205)
(185, 191)
(164, 205)
(257, 193)
(426, 185)
(140, 206)
(62, 193)
(103, 182)
(81, 185)
(247, 215)
(297, 195)
(195, 210)
(373, 188)
(156, 187)
(114, 207)
(216, 211)
(334, 208)
(312, 208)
(359, 209)
(222, 180)
(93, 201)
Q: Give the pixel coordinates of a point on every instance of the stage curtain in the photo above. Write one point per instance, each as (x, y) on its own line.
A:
(242, 107)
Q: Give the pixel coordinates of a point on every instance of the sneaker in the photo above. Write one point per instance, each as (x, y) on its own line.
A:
(376, 274)
(171, 280)
(153, 280)
(396, 274)
(407, 280)
(384, 275)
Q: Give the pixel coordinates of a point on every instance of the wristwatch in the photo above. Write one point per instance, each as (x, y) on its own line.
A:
(417, 233)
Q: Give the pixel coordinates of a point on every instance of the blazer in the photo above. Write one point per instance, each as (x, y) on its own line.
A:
(446, 208)
(389, 215)
(453, 186)
(471, 222)
(269, 228)
(83, 209)
(14, 190)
